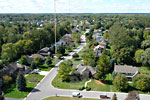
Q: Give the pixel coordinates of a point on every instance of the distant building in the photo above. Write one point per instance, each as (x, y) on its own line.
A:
(44, 51)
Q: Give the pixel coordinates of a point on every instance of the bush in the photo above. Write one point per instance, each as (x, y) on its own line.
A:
(82, 88)
(6, 79)
(88, 88)
(75, 55)
(48, 61)
(120, 82)
(142, 82)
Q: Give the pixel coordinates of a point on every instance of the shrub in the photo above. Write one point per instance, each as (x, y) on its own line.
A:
(142, 82)
(75, 55)
(6, 79)
(48, 61)
(88, 88)
(82, 88)
(120, 82)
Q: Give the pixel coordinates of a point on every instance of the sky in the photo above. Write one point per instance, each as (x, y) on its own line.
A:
(75, 6)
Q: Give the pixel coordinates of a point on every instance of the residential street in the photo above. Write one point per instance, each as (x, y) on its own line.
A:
(45, 89)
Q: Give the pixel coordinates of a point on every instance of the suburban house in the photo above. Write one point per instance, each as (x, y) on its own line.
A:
(129, 71)
(83, 72)
(45, 51)
(98, 35)
(100, 47)
(31, 58)
(14, 68)
(66, 39)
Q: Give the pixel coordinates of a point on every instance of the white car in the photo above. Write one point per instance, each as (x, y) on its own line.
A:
(76, 94)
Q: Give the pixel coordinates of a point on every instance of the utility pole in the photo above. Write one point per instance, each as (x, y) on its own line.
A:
(55, 24)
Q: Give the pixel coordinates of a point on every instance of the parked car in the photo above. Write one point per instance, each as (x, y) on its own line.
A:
(76, 94)
(103, 96)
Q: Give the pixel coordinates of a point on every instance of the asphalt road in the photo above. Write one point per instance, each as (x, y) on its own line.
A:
(45, 89)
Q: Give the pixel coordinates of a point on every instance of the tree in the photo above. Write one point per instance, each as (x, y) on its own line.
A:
(102, 67)
(48, 61)
(33, 66)
(123, 45)
(137, 55)
(23, 60)
(20, 82)
(89, 58)
(133, 95)
(61, 49)
(146, 34)
(142, 82)
(145, 44)
(64, 71)
(114, 97)
(145, 57)
(120, 82)
(76, 37)
(37, 61)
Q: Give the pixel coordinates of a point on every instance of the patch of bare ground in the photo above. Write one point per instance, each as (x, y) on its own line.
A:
(99, 82)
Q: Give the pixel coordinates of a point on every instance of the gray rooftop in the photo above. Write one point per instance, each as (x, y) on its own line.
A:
(82, 68)
(125, 69)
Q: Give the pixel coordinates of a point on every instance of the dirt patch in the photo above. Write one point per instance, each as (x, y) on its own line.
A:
(99, 82)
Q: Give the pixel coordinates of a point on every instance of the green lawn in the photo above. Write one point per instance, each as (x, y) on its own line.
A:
(67, 85)
(144, 69)
(45, 67)
(68, 98)
(32, 81)
(107, 86)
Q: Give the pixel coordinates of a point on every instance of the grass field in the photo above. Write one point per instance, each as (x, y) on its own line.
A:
(68, 98)
(67, 85)
(12, 92)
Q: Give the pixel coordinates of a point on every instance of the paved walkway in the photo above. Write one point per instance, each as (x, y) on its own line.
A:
(45, 89)
(87, 83)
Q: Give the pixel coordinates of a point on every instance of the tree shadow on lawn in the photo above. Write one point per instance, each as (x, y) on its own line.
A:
(108, 82)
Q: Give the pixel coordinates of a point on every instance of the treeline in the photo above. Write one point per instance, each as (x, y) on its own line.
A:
(130, 46)
(18, 39)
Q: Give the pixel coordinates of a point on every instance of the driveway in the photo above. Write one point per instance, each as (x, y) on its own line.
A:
(45, 89)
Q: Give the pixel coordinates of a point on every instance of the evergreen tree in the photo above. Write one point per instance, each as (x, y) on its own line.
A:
(114, 97)
(20, 82)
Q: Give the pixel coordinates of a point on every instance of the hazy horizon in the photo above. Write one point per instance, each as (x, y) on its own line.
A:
(75, 6)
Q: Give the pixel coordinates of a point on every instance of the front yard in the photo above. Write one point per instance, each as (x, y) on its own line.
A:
(12, 92)
(67, 85)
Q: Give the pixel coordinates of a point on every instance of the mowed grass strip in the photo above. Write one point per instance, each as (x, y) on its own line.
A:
(68, 98)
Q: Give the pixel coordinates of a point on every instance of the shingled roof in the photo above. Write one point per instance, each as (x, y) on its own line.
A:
(125, 69)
